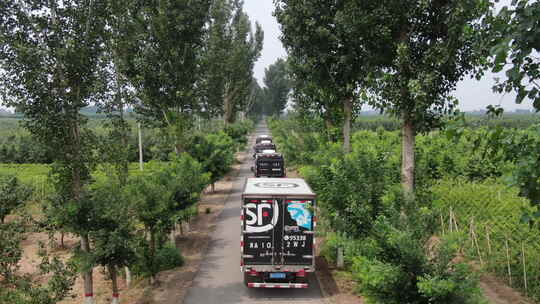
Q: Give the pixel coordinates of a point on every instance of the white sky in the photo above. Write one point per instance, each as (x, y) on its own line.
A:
(472, 94)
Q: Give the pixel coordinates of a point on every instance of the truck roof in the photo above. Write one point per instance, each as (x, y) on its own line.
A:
(295, 187)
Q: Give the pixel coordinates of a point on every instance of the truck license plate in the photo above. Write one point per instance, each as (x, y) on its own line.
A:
(277, 275)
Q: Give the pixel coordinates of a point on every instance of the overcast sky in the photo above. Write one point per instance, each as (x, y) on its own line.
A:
(472, 94)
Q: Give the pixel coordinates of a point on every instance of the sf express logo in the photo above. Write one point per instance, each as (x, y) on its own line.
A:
(261, 217)
(276, 185)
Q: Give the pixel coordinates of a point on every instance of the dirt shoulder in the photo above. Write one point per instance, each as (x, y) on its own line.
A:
(497, 292)
(337, 286)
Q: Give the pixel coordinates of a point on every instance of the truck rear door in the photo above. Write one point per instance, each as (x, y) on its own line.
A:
(278, 231)
(259, 219)
(298, 232)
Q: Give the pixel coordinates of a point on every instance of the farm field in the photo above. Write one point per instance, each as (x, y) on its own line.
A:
(37, 173)
(475, 196)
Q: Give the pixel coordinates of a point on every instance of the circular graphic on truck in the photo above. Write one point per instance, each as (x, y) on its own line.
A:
(261, 217)
(276, 185)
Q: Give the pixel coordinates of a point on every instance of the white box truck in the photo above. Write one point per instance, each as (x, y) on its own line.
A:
(277, 233)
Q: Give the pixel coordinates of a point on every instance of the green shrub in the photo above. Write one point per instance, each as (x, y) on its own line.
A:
(215, 152)
(350, 188)
(169, 257)
(13, 195)
(299, 144)
(458, 285)
(352, 248)
(166, 257)
(408, 268)
(380, 282)
(184, 177)
(239, 131)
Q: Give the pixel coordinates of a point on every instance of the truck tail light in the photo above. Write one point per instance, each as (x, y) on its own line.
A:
(253, 273)
(301, 273)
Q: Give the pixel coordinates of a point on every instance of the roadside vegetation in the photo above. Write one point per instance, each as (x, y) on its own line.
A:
(393, 193)
(70, 163)
(474, 207)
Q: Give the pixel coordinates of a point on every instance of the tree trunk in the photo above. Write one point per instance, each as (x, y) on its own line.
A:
(213, 187)
(407, 154)
(62, 245)
(347, 110)
(123, 170)
(140, 147)
(114, 281)
(228, 107)
(76, 191)
(153, 280)
(178, 147)
(87, 276)
(128, 276)
(125, 142)
(329, 127)
(173, 235)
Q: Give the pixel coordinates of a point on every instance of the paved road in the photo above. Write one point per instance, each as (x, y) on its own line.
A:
(219, 280)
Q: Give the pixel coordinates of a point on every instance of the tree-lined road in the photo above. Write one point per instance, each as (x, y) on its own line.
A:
(219, 279)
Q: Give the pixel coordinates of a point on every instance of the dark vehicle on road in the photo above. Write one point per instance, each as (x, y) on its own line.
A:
(262, 138)
(259, 148)
(269, 164)
(277, 233)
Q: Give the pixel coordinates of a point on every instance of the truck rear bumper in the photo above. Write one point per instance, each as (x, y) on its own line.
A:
(278, 285)
(271, 268)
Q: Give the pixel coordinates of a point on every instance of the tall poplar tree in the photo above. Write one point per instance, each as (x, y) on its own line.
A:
(231, 51)
(257, 101)
(278, 86)
(51, 59)
(160, 54)
(328, 66)
(409, 54)
(425, 48)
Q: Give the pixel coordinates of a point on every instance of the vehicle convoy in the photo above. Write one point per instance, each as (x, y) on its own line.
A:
(277, 233)
(269, 163)
(262, 138)
(260, 147)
